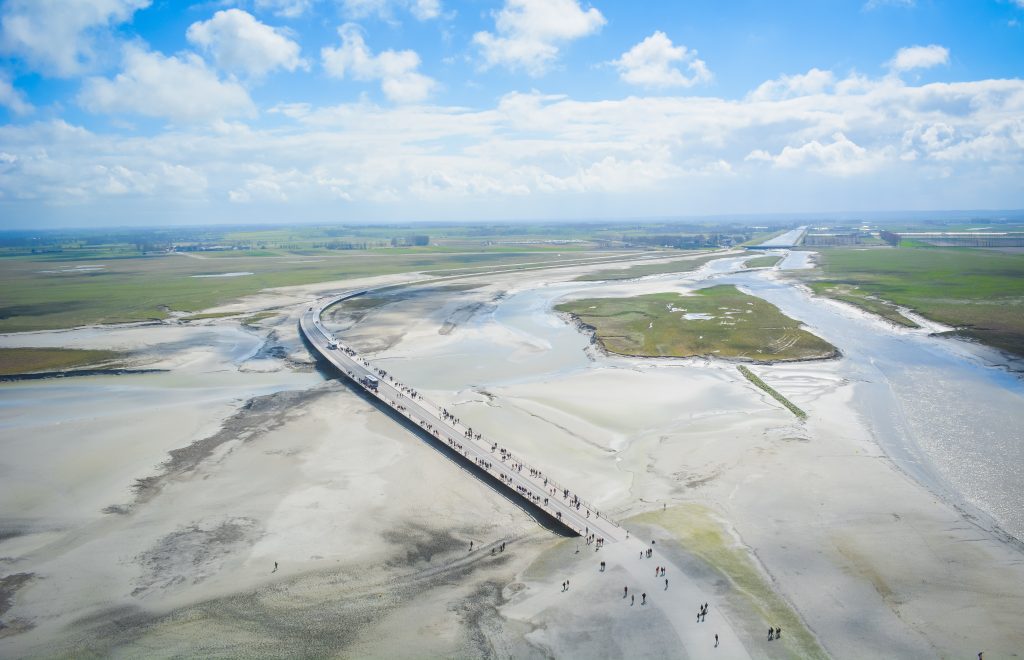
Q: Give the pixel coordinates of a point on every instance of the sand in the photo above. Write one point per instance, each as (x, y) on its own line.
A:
(371, 527)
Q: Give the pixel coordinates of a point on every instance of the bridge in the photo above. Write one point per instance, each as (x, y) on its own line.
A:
(522, 482)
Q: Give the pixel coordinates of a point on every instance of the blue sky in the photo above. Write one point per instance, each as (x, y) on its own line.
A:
(159, 111)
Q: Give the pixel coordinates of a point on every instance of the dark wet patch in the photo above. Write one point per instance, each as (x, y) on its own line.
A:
(9, 586)
(259, 415)
(193, 553)
(421, 544)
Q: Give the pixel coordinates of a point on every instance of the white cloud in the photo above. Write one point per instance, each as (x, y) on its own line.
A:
(285, 8)
(529, 33)
(918, 57)
(422, 10)
(814, 81)
(241, 44)
(857, 144)
(12, 98)
(651, 63)
(179, 88)
(57, 37)
(841, 157)
(396, 70)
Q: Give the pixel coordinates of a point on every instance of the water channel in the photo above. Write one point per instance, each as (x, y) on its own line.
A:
(942, 409)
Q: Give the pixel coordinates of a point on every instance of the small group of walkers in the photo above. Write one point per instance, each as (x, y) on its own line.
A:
(702, 612)
(774, 633)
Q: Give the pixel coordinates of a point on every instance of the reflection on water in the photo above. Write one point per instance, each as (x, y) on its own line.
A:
(936, 406)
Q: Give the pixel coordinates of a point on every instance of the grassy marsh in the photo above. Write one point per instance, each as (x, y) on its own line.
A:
(979, 291)
(16, 361)
(718, 321)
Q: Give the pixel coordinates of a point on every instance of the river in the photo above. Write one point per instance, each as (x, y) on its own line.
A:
(941, 409)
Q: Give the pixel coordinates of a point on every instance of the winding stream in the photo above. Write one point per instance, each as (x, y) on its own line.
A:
(939, 408)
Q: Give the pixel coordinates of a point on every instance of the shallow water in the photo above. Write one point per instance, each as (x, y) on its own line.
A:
(937, 406)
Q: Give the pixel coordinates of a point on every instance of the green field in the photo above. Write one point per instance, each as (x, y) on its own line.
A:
(642, 270)
(762, 262)
(14, 361)
(979, 291)
(41, 292)
(737, 326)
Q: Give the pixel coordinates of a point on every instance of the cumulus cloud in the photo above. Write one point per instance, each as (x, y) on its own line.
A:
(841, 157)
(918, 57)
(653, 63)
(860, 143)
(12, 98)
(57, 37)
(529, 33)
(384, 9)
(396, 70)
(815, 81)
(241, 44)
(179, 88)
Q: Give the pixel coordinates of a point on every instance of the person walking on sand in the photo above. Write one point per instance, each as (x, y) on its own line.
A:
(632, 599)
(471, 546)
(771, 633)
(778, 632)
(666, 584)
(275, 567)
(625, 591)
(643, 598)
(716, 640)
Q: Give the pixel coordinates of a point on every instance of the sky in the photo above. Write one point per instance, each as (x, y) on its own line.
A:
(156, 112)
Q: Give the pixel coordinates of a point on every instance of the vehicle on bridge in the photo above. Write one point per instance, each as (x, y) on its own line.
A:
(370, 381)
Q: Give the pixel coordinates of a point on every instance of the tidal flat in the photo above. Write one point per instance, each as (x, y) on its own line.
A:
(814, 526)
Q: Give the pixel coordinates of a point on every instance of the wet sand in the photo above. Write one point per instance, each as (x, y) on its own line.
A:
(248, 458)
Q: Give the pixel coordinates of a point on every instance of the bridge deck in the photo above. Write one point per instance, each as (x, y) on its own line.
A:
(524, 482)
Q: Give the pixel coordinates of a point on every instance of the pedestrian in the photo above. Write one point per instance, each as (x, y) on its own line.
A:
(275, 567)
(778, 633)
(632, 599)
(666, 584)
(643, 598)
(771, 633)
(567, 585)
(657, 571)
(716, 640)
(471, 546)
(625, 590)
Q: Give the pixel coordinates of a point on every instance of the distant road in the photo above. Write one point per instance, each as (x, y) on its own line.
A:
(789, 239)
(524, 482)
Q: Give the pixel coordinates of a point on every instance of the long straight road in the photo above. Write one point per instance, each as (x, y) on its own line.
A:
(522, 480)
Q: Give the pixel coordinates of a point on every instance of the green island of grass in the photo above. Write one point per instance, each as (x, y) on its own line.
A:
(718, 321)
(18, 361)
(980, 292)
(701, 534)
(642, 270)
(762, 262)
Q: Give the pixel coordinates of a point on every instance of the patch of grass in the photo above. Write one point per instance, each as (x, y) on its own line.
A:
(753, 378)
(257, 317)
(642, 270)
(762, 262)
(15, 361)
(208, 315)
(854, 295)
(731, 324)
(979, 291)
(700, 533)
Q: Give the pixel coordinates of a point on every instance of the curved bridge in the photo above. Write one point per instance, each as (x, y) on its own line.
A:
(523, 483)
